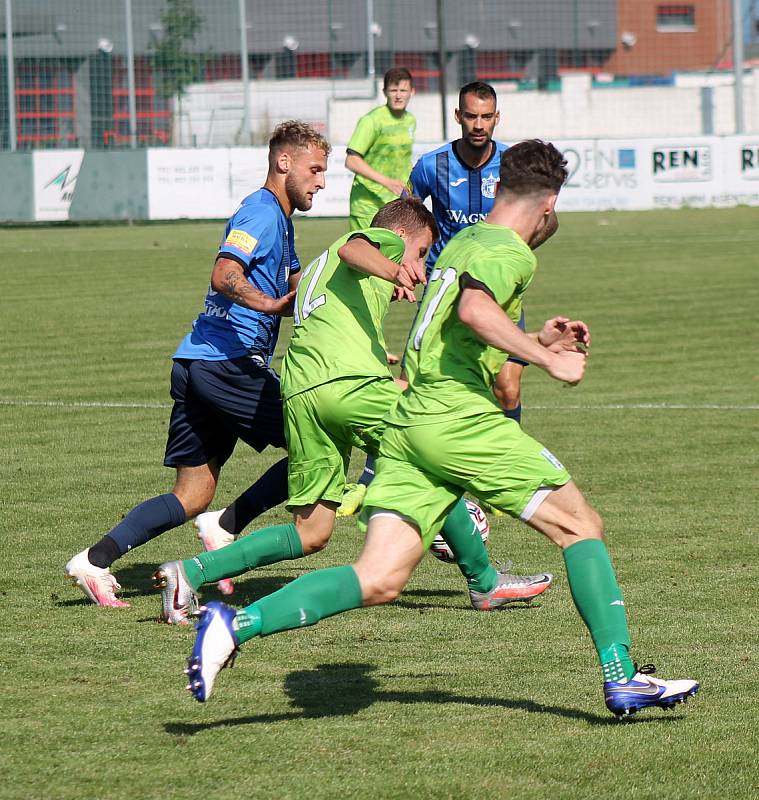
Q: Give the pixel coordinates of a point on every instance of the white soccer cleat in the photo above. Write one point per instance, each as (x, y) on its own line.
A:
(214, 537)
(96, 582)
(178, 599)
(216, 646)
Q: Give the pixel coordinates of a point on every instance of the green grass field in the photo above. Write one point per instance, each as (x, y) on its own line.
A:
(425, 698)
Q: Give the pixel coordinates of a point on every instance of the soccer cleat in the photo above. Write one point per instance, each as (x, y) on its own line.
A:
(214, 537)
(643, 691)
(353, 498)
(216, 647)
(511, 589)
(96, 582)
(178, 598)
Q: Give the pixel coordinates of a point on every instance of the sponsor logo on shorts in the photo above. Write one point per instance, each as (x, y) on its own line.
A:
(551, 458)
(241, 240)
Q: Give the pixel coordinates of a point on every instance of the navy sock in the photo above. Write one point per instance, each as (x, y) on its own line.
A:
(368, 474)
(143, 523)
(268, 491)
(514, 413)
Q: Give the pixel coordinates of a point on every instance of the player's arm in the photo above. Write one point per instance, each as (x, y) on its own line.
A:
(479, 312)
(228, 278)
(355, 162)
(365, 256)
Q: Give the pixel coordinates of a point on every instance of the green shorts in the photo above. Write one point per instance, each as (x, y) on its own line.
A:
(423, 470)
(323, 424)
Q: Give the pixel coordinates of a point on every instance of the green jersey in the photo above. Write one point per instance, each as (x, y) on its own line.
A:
(384, 141)
(337, 330)
(451, 371)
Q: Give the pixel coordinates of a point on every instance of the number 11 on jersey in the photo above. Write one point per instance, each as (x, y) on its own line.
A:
(446, 278)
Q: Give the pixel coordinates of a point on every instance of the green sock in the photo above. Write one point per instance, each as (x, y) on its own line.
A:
(599, 601)
(267, 546)
(314, 596)
(462, 536)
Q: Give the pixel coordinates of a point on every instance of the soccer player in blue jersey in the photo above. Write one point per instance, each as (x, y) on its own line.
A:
(221, 383)
(460, 178)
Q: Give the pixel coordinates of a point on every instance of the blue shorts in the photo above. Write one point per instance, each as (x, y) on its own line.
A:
(218, 402)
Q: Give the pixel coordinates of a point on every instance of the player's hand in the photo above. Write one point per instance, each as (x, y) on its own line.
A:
(282, 306)
(567, 366)
(396, 187)
(402, 293)
(561, 333)
(392, 358)
(411, 272)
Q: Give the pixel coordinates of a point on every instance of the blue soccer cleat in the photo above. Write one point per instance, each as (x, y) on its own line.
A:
(643, 691)
(216, 646)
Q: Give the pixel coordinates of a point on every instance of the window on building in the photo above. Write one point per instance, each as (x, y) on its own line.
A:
(45, 104)
(152, 110)
(675, 18)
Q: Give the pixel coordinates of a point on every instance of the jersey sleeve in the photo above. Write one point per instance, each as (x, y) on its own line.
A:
(364, 136)
(420, 186)
(250, 235)
(501, 275)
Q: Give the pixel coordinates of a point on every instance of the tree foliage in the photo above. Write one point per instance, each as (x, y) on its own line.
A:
(176, 66)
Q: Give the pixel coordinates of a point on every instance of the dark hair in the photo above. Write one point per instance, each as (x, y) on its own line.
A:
(406, 212)
(295, 133)
(483, 90)
(396, 75)
(533, 166)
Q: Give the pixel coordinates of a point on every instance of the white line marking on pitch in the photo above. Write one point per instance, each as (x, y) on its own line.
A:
(606, 407)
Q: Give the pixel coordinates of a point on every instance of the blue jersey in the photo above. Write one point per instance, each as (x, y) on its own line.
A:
(460, 196)
(260, 237)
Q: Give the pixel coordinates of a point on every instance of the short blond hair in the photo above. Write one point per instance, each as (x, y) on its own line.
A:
(294, 133)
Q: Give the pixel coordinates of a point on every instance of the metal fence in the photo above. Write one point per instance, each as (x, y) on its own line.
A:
(106, 74)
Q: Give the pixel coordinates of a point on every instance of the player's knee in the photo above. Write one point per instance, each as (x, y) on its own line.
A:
(588, 524)
(313, 539)
(377, 589)
(380, 593)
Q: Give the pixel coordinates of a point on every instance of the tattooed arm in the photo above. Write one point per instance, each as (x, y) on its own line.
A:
(228, 278)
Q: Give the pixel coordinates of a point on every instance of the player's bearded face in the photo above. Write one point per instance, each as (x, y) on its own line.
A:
(305, 177)
(478, 117)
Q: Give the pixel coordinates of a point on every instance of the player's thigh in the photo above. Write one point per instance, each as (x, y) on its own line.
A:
(317, 457)
(391, 551)
(401, 486)
(244, 396)
(489, 456)
(359, 407)
(196, 437)
(564, 515)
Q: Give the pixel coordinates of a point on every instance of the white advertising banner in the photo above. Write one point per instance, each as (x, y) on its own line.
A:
(55, 173)
(189, 183)
(604, 174)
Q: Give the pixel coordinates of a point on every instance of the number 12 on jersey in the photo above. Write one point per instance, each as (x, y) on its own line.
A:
(304, 302)
(447, 277)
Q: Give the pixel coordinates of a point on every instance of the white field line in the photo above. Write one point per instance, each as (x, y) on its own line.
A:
(588, 407)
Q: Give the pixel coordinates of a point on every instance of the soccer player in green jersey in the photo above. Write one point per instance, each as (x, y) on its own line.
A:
(447, 434)
(337, 390)
(379, 151)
